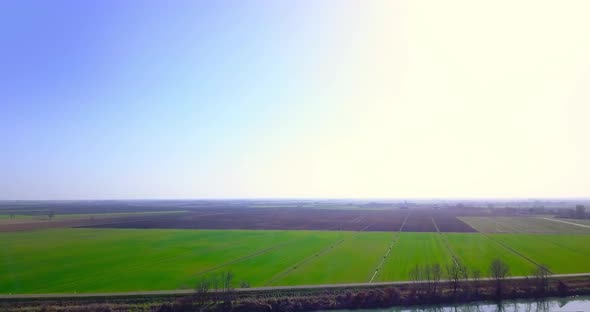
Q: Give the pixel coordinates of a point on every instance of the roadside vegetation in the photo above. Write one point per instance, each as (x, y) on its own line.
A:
(432, 284)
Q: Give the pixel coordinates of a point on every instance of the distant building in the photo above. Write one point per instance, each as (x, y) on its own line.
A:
(580, 212)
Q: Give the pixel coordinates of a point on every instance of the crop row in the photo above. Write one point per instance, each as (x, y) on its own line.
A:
(106, 260)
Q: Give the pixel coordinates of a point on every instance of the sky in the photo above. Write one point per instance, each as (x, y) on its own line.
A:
(294, 99)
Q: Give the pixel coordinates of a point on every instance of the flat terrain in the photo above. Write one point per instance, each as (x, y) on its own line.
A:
(583, 222)
(411, 249)
(24, 218)
(544, 250)
(525, 225)
(102, 260)
(477, 250)
(111, 246)
(109, 260)
(351, 261)
(301, 219)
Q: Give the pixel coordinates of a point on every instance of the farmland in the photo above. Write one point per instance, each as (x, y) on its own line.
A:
(158, 245)
(411, 249)
(97, 260)
(23, 218)
(523, 225)
(353, 260)
(558, 257)
(302, 219)
(582, 222)
(116, 260)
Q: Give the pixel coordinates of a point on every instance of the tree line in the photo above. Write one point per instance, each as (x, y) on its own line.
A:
(427, 278)
(430, 283)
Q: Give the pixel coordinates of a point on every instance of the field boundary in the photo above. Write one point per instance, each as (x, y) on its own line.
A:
(396, 237)
(541, 238)
(206, 251)
(514, 251)
(253, 289)
(304, 261)
(246, 257)
(446, 243)
(567, 222)
(312, 257)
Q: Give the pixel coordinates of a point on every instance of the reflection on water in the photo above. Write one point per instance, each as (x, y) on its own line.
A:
(572, 304)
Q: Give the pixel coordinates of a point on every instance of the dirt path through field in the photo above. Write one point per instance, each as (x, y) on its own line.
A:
(246, 290)
(446, 243)
(513, 251)
(388, 252)
(542, 238)
(249, 256)
(271, 248)
(310, 258)
(566, 222)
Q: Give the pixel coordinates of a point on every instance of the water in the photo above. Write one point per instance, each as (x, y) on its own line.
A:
(571, 304)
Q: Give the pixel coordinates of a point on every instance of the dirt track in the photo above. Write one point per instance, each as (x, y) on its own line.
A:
(566, 222)
(253, 289)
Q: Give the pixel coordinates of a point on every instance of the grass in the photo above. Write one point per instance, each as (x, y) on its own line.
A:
(411, 249)
(540, 249)
(7, 218)
(477, 250)
(353, 260)
(116, 214)
(578, 243)
(95, 260)
(14, 216)
(262, 269)
(110, 260)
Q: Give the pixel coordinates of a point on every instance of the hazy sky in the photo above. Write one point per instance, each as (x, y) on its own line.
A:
(201, 99)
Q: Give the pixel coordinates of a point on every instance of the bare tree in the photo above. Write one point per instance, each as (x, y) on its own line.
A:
(202, 290)
(499, 270)
(244, 284)
(427, 277)
(463, 270)
(215, 282)
(454, 275)
(436, 273)
(476, 277)
(416, 273)
(541, 274)
(226, 284)
(50, 214)
(464, 276)
(416, 276)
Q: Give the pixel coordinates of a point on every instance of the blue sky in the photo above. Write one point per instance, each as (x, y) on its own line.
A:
(200, 99)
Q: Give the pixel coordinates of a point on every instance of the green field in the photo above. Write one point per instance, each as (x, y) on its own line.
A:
(261, 270)
(352, 261)
(81, 260)
(44, 217)
(556, 257)
(476, 250)
(411, 249)
(14, 216)
(109, 260)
